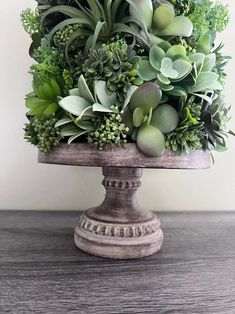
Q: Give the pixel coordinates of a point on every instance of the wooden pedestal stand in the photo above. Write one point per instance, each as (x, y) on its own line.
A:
(119, 228)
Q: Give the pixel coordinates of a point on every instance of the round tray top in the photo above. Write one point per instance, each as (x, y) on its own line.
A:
(79, 154)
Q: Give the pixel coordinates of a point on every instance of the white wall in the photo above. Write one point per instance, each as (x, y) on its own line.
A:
(24, 184)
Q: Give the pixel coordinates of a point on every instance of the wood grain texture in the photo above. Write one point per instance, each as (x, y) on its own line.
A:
(79, 154)
(42, 272)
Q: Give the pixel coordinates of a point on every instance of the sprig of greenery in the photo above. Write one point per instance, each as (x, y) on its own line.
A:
(30, 21)
(206, 15)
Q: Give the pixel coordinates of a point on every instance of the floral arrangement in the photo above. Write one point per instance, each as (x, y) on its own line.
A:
(110, 72)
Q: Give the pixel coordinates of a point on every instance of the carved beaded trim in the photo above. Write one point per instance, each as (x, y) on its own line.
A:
(122, 231)
(121, 184)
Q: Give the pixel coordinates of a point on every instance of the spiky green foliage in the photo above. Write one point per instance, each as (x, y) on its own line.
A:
(68, 81)
(30, 21)
(189, 134)
(49, 55)
(221, 62)
(117, 63)
(109, 130)
(215, 117)
(185, 140)
(41, 132)
(96, 21)
(51, 65)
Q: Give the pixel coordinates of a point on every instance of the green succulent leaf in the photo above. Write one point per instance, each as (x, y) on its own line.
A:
(100, 108)
(50, 109)
(182, 67)
(177, 91)
(180, 26)
(176, 51)
(209, 62)
(167, 68)
(198, 59)
(97, 31)
(86, 125)
(33, 101)
(138, 117)
(164, 45)
(163, 16)
(75, 136)
(142, 11)
(146, 71)
(84, 90)
(205, 81)
(146, 97)
(70, 130)
(165, 87)
(163, 79)
(63, 122)
(156, 56)
(74, 104)
(74, 92)
(105, 97)
(130, 92)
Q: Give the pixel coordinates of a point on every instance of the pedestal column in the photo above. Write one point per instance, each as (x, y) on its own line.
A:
(119, 228)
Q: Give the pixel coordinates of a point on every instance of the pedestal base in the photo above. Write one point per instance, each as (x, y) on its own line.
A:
(119, 228)
(118, 241)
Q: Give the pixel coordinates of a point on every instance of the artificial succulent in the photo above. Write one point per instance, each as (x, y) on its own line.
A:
(148, 120)
(43, 101)
(215, 116)
(117, 64)
(109, 72)
(167, 65)
(89, 112)
(155, 22)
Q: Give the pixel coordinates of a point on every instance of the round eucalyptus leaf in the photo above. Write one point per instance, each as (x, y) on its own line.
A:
(163, 79)
(182, 67)
(177, 92)
(164, 45)
(167, 68)
(146, 71)
(156, 55)
(165, 87)
(176, 51)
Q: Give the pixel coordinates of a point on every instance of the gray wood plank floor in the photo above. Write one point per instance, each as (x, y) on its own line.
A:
(42, 272)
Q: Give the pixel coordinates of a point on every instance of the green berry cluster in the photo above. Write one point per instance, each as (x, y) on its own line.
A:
(41, 132)
(63, 35)
(110, 130)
